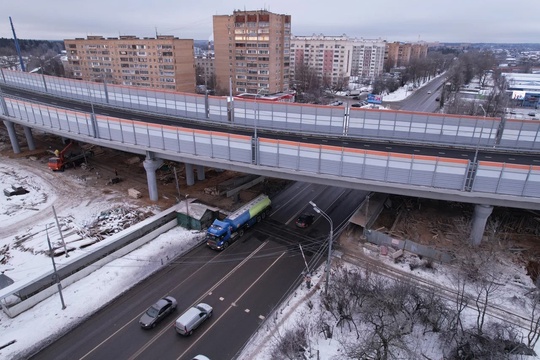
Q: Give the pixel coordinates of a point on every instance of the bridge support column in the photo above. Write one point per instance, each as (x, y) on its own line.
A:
(190, 177)
(200, 172)
(29, 138)
(151, 164)
(480, 216)
(12, 136)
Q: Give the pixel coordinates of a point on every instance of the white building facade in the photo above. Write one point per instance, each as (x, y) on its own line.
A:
(336, 58)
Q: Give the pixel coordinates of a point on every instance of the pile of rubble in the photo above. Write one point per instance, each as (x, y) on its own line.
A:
(115, 220)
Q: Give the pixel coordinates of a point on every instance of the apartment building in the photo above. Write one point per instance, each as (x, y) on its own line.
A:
(252, 52)
(336, 58)
(205, 64)
(164, 62)
(401, 54)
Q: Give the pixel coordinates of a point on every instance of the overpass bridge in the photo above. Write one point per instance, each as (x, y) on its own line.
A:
(484, 183)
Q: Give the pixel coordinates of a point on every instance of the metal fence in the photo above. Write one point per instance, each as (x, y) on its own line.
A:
(318, 119)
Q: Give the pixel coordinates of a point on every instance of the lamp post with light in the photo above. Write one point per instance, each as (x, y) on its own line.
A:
(331, 237)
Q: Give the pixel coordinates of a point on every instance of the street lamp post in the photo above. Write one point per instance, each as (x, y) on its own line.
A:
(55, 276)
(484, 110)
(331, 238)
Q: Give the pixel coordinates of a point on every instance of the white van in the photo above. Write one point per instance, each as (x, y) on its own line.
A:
(192, 318)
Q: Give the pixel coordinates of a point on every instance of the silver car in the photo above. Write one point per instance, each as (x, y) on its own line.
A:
(157, 312)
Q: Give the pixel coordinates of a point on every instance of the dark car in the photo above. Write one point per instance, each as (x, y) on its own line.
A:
(157, 312)
(356, 97)
(15, 190)
(437, 99)
(357, 105)
(305, 220)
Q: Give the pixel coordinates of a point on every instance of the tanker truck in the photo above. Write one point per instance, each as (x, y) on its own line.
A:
(224, 232)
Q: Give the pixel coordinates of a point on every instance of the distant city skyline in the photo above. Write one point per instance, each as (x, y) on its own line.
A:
(471, 21)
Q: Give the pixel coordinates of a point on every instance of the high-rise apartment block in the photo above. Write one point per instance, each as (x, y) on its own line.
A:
(252, 51)
(401, 54)
(336, 58)
(164, 62)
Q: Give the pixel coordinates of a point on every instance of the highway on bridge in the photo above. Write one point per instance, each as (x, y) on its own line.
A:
(243, 284)
(421, 99)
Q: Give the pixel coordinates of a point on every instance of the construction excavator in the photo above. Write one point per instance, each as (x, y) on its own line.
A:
(62, 160)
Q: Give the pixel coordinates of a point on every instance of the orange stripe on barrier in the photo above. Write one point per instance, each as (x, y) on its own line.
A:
(173, 128)
(523, 121)
(509, 166)
(365, 152)
(43, 106)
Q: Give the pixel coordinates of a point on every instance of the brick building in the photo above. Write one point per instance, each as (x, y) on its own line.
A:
(252, 51)
(164, 62)
(400, 54)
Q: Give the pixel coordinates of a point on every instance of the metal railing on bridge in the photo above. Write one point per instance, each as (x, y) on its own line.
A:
(428, 172)
(455, 130)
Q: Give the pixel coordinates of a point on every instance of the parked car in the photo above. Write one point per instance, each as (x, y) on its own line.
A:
(192, 318)
(336, 103)
(357, 105)
(305, 220)
(356, 97)
(157, 312)
(533, 114)
(437, 99)
(15, 190)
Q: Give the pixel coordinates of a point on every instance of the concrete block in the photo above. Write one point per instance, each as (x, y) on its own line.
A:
(136, 194)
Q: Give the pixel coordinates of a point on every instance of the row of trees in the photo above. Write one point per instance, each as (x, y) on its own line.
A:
(310, 85)
(481, 65)
(42, 54)
(386, 319)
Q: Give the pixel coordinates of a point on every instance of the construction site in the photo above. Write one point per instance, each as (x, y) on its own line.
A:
(438, 224)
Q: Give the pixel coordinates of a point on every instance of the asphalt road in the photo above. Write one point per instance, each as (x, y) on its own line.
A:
(243, 284)
(423, 100)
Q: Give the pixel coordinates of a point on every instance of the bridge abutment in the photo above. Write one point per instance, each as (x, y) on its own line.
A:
(480, 216)
(151, 164)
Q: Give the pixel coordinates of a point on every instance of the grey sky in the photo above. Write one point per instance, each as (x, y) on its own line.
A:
(393, 20)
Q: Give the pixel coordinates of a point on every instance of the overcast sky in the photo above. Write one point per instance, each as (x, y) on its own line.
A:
(393, 20)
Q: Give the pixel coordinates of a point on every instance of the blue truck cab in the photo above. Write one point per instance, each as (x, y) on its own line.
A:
(224, 232)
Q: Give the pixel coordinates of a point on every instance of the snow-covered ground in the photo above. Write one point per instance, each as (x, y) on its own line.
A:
(23, 246)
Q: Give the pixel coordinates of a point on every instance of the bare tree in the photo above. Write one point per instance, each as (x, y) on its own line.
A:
(291, 343)
(534, 325)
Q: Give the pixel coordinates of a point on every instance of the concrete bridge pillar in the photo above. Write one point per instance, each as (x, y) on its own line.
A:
(151, 164)
(200, 172)
(29, 138)
(190, 177)
(480, 216)
(12, 136)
